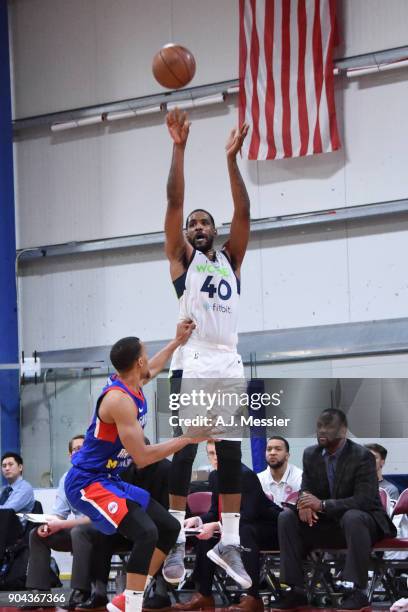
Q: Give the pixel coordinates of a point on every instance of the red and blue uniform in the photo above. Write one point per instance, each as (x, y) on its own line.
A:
(93, 485)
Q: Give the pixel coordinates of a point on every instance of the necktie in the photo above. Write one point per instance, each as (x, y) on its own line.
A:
(5, 495)
(331, 466)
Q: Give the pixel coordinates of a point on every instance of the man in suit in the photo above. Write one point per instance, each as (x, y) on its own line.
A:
(16, 496)
(339, 507)
(258, 529)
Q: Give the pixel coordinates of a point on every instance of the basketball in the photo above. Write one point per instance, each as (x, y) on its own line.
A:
(173, 66)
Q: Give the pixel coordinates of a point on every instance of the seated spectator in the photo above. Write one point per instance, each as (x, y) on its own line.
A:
(380, 454)
(280, 478)
(75, 535)
(258, 530)
(16, 496)
(339, 507)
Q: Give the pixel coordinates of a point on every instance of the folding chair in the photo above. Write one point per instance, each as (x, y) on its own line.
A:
(199, 502)
(385, 500)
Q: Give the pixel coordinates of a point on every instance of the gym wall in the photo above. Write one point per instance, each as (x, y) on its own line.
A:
(100, 182)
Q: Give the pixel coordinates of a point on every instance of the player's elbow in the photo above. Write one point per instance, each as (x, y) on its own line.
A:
(142, 458)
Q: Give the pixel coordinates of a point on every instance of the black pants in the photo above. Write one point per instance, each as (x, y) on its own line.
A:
(140, 532)
(257, 536)
(79, 540)
(356, 531)
(10, 529)
(229, 468)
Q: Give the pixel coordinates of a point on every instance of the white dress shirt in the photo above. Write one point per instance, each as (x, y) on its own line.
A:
(290, 483)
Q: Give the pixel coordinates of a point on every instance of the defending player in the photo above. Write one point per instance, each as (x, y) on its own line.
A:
(207, 283)
(113, 439)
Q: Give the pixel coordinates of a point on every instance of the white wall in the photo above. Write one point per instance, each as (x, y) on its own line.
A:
(71, 53)
(324, 277)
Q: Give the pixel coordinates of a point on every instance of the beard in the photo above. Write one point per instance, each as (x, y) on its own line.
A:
(202, 243)
(277, 464)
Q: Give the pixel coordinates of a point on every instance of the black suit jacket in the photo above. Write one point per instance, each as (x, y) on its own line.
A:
(254, 503)
(355, 485)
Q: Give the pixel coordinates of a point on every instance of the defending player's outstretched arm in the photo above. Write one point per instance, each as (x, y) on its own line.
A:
(239, 234)
(118, 408)
(158, 361)
(178, 250)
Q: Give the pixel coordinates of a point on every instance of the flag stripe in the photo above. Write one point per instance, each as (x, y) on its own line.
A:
(276, 66)
(270, 85)
(334, 134)
(262, 76)
(293, 80)
(301, 87)
(248, 78)
(318, 75)
(242, 63)
(286, 77)
(285, 67)
(324, 109)
(254, 146)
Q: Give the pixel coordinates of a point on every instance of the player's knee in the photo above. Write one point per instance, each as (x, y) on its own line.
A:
(228, 451)
(168, 535)
(229, 466)
(149, 534)
(185, 456)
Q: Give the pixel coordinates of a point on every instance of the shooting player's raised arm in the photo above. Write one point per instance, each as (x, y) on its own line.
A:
(177, 248)
(240, 225)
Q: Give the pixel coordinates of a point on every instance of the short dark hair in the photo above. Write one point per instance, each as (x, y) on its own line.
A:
(335, 413)
(16, 456)
(282, 439)
(377, 448)
(71, 442)
(125, 352)
(200, 210)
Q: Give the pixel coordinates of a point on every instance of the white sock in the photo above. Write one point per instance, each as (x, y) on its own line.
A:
(148, 581)
(133, 600)
(180, 515)
(230, 528)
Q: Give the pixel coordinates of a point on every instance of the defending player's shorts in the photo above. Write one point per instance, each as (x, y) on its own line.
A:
(103, 500)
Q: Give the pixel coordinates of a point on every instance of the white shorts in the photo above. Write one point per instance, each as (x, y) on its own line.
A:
(219, 375)
(198, 362)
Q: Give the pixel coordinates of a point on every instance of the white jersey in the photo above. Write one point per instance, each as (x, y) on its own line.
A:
(209, 296)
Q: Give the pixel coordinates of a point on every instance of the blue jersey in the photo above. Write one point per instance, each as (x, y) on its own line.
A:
(103, 451)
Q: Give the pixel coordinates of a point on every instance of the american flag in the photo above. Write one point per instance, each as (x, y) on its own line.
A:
(286, 77)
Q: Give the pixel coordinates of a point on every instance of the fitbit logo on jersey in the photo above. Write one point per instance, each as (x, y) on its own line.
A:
(217, 308)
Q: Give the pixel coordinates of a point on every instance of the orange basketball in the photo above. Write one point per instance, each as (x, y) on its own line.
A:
(173, 66)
